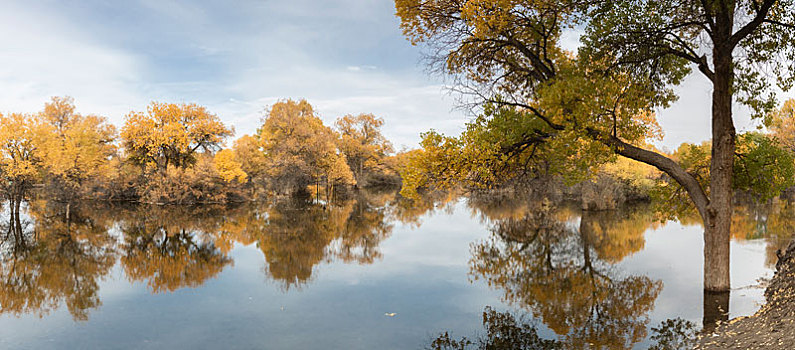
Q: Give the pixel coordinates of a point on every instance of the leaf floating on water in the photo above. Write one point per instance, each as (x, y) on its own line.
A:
(390, 314)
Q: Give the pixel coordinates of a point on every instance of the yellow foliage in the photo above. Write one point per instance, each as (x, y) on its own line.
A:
(171, 134)
(200, 183)
(72, 146)
(363, 144)
(782, 123)
(299, 147)
(248, 151)
(637, 174)
(19, 156)
(228, 167)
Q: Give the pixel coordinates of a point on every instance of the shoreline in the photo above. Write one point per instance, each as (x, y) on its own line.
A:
(773, 325)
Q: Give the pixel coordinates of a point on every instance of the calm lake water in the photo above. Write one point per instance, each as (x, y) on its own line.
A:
(369, 273)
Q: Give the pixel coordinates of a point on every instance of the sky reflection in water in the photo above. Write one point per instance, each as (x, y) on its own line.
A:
(291, 274)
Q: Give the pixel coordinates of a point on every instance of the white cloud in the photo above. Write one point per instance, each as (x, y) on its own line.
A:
(235, 60)
(408, 106)
(42, 57)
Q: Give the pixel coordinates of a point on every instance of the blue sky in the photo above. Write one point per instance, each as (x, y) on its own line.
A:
(238, 57)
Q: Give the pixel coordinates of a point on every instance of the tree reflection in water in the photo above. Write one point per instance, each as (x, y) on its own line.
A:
(503, 331)
(52, 258)
(561, 270)
(506, 331)
(54, 254)
(172, 247)
(296, 235)
(674, 334)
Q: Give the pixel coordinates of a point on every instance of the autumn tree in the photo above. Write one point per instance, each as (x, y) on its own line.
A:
(782, 124)
(74, 147)
(248, 151)
(763, 169)
(299, 150)
(20, 156)
(364, 146)
(171, 134)
(599, 100)
(211, 179)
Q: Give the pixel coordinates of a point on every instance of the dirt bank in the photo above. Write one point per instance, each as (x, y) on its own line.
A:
(773, 326)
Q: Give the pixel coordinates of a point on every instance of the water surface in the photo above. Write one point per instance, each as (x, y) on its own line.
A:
(370, 272)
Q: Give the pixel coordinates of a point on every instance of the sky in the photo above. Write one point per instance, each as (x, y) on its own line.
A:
(239, 57)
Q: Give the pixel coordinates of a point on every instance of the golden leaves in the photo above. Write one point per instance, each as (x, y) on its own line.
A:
(171, 134)
(19, 153)
(782, 123)
(363, 145)
(297, 144)
(228, 167)
(74, 146)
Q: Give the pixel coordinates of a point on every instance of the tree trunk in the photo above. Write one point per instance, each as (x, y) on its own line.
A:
(17, 204)
(585, 233)
(717, 223)
(716, 310)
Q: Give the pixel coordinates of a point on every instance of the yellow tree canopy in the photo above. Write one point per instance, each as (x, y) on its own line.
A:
(171, 134)
(19, 156)
(362, 143)
(298, 145)
(74, 146)
(248, 151)
(228, 167)
(782, 123)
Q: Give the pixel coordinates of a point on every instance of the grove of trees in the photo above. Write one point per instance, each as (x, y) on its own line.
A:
(175, 153)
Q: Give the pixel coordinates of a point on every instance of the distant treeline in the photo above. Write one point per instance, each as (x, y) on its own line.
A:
(175, 153)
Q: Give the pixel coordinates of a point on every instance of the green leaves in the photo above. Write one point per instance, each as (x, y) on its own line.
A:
(763, 167)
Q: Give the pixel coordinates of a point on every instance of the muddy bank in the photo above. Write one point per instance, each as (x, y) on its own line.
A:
(773, 326)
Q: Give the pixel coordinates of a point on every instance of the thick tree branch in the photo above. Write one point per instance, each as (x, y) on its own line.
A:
(700, 61)
(749, 27)
(665, 164)
(691, 55)
(708, 15)
(537, 62)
